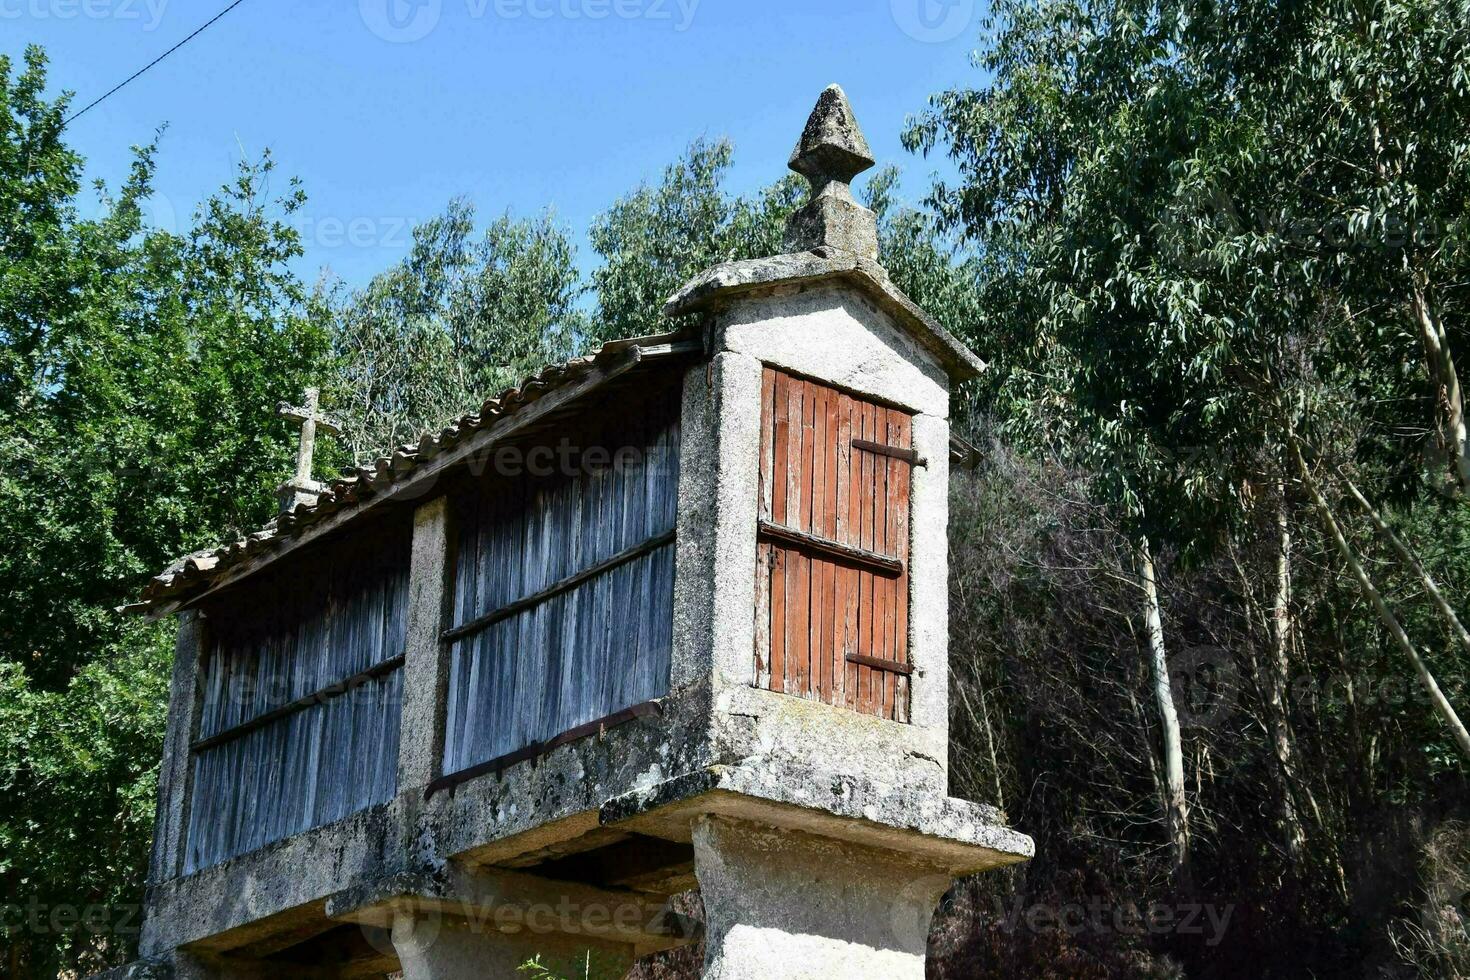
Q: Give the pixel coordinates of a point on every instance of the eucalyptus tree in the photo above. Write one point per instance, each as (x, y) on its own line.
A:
(653, 239)
(1101, 348)
(1182, 209)
(457, 321)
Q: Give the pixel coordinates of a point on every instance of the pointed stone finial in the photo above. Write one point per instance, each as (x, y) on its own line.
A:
(832, 146)
(301, 488)
(831, 152)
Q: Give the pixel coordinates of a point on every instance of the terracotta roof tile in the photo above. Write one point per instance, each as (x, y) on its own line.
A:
(194, 573)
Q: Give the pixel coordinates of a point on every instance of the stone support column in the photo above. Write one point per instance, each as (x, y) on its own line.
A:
(436, 948)
(172, 829)
(784, 905)
(426, 660)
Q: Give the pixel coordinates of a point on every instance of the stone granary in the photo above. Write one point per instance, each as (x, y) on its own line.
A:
(669, 616)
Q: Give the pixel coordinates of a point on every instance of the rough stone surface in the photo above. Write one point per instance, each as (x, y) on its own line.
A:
(728, 648)
(426, 660)
(929, 579)
(837, 335)
(832, 145)
(755, 725)
(716, 287)
(500, 902)
(831, 152)
(832, 219)
(172, 817)
(440, 949)
(827, 801)
(790, 906)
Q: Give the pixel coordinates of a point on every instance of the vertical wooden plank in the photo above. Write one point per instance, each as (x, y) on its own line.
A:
(852, 534)
(865, 579)
(882, 543)
(801, 637)
(817, 396)
(889, 610)
(795, 618)
(832, 664)
(763, 548)
(768, 433)
(905, 531)
(780, 466)
(838, 490)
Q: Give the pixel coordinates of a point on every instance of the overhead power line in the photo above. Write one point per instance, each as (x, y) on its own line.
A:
(120, 85)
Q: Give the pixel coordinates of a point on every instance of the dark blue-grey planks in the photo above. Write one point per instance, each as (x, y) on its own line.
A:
(279, 651)
(591, 650)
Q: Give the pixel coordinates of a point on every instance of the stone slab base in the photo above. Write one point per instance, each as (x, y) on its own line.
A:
(783, 905)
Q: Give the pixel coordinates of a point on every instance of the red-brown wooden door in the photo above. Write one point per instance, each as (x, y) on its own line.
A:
(832, 571)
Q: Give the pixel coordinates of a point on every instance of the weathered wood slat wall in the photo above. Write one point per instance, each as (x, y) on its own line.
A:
(548, 646)
(301, 682)
(832, 570)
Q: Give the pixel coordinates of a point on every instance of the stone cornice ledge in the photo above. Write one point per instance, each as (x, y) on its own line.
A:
(956, 835)
(714, 287)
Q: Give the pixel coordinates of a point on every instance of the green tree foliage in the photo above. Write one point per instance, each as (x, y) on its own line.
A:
(457, 321)
(133, 371)
(1203, 234)
(655, 239)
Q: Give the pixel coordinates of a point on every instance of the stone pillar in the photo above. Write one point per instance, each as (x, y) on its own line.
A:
(784, 905)
(436, 948)
(171, 828)
(426, 660)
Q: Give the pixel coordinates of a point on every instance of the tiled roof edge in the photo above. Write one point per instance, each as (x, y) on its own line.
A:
(192, 575)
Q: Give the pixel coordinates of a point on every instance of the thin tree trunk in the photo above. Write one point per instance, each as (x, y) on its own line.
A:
(1279, 675)
(1271, 685)
(1176, 808)
(1447, 384)
(1452, 620)
(1437, 698)
(990, 743)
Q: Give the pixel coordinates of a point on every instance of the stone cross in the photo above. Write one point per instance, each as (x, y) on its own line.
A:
(831, 152)
(301, 488)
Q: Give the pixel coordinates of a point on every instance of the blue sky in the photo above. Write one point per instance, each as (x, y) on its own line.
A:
(387, 108)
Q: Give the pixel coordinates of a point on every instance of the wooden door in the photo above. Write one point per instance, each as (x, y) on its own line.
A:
(832, 584)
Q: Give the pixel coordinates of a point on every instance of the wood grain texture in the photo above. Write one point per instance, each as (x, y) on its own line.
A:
(832, 577)
(780, 424)
(301, 680)
(567, 580)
